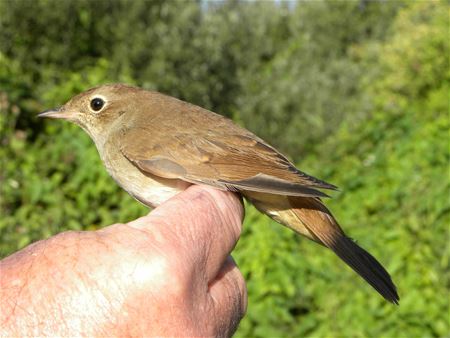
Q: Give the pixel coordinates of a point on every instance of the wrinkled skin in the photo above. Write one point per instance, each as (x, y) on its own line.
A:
(165, 274)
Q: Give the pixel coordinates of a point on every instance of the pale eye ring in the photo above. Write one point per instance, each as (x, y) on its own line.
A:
(97, 104)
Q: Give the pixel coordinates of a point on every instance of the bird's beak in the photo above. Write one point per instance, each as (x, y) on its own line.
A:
(58, 113)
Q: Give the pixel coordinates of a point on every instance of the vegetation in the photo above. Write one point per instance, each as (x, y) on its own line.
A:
(356, 92)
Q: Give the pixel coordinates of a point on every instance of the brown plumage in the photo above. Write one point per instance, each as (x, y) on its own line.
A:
(154, 146)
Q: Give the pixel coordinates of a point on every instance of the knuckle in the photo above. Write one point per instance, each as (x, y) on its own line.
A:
(243, 292)
(239, 288)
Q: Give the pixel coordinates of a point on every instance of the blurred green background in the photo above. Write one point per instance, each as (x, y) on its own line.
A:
(355, 92)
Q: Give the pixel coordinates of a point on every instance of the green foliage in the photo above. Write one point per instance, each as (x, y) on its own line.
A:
(356, 90)
(311, 74)
(53, 180)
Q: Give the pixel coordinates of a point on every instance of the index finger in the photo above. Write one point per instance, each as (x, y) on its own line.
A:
(200, 224)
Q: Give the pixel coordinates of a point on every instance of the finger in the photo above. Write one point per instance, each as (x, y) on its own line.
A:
(201, 225)
(228, 295)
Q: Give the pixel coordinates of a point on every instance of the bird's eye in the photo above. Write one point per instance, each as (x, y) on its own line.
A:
(97, 104)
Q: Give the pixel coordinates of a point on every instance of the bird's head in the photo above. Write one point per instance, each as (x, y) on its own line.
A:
(98, 109)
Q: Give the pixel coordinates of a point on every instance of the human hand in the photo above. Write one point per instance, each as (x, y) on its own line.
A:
(165, 274)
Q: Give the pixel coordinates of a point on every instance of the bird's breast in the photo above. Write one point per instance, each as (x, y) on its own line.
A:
(149, 189)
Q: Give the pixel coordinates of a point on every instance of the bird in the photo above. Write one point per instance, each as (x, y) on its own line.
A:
(154, 146)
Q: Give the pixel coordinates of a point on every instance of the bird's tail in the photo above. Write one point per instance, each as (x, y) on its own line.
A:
(309, 217)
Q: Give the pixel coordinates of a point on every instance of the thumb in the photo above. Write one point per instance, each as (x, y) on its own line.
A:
(201, 222)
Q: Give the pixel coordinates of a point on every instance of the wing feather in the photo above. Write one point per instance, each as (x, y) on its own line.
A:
(225, 161)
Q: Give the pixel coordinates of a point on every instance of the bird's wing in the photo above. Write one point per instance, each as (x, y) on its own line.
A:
(227, 161)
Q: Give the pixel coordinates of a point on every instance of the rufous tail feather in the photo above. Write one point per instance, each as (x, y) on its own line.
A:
(309, 217)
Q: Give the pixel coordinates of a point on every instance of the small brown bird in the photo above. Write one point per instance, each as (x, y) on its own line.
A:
(155, 145)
